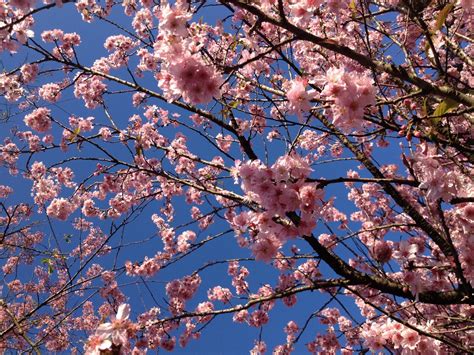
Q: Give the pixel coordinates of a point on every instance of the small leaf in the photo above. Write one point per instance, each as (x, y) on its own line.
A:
(353, 7)
(424, 108)
(139, 150)
(234, 104)
(225, 113)
(74, 134)
(443, 14)
(443, 107)
(429, 53)
(49, 262)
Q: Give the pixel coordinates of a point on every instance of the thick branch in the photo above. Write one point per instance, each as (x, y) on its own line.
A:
(383, 284)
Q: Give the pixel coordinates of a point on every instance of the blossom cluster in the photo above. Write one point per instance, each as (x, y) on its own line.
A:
(10, 87)
(279, 190)
(113, 333)
(299, 100)
(351, 93)
(39, 119)
(397, 336)
(194, 80)
(183, 72)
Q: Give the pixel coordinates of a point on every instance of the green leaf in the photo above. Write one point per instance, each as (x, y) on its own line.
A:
(234, 104)
(443, 107)
(75, 134)
(49, 262)
(443, 14)
(425, 107)
(225, 113)
(139, 150)
(353, 7)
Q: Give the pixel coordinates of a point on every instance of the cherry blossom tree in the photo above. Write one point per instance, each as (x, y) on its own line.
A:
(176, 163)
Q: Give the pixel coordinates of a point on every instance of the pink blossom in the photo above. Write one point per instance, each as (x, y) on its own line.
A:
(173, 20)
(10, 87)
(265, 248)
(90, 89)
(50, 92)
(97, 344)
(184, 240)
(406, 250)
(39, 119)
(298, 98)
(60, 208)
(258, 318)
(10, 153)
(224, 142)
(411, 338)
(195, 81)
(240, 316)
(219, 293)
(29, 72)
(5, 191)
(260, 348)
(382, 251)
(23, 4)
(168, 343)
(184, 288)
(203, 308)
(52, 35)
(351, 92)
(105, 133)
(116, 329)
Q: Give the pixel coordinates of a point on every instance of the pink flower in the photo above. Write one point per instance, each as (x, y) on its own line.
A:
(258, 318)
(203, 308)
(240, 316)
(97, 344)
(10, 87)
(351, 93)
(52, 35)
(224, 142)
(265, 248)
(307, 272)
(298, 98)
(60, 208)
(194, 80)
(29, 72)
(5, 191)
(39, 119)
(116, 329)
(410, 339)
(219, 293)
(23, 4)
(173, 20)
(259, 348)
(406, 251)
(50, 92)
(382, 251)
(168, 343)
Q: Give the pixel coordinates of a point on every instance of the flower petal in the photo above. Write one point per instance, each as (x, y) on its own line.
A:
(123, 311)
